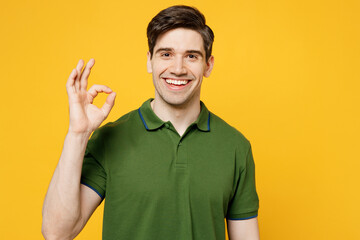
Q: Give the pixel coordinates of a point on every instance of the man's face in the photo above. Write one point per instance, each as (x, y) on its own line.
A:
(178, 66)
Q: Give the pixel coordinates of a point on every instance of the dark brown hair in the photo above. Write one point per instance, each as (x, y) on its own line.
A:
(180, 16)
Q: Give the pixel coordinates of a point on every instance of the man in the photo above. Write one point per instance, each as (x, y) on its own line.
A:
(168, 170)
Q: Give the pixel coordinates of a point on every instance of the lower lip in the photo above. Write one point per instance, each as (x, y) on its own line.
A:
(176, 87)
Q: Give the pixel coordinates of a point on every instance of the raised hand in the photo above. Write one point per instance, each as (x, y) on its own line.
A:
(84, 116)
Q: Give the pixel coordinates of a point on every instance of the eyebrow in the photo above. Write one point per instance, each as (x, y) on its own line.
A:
(171, 50)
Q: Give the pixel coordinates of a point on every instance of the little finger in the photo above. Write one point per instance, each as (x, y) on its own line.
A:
(71, 80)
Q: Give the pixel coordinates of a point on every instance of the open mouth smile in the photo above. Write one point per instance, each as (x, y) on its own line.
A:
(176, 83)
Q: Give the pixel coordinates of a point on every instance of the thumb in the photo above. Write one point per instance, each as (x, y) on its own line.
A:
(109, 103)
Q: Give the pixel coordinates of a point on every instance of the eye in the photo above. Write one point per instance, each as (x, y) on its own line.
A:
(165, 54)
(192, 56)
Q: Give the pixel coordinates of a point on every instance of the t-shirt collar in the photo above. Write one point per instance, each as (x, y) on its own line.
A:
(152, 122)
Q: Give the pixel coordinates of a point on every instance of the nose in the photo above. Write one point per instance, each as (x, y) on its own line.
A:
(178, 67)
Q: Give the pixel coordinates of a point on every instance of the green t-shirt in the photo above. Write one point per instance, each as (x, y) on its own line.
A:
(158, 185)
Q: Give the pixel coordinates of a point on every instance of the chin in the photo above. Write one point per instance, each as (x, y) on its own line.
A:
(176, 102)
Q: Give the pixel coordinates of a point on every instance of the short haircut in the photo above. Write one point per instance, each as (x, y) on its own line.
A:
(180, 16)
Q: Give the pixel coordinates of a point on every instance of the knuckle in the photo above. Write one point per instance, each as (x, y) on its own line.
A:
(96, 86)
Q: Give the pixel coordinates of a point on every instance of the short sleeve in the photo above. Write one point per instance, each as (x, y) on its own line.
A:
(245, 202)
(93, 173)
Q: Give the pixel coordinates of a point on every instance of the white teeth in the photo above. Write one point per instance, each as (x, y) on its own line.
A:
(176, 82)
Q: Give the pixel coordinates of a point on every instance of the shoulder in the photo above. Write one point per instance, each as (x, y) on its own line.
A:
(230, 133)
(123, 121)
(109, 129)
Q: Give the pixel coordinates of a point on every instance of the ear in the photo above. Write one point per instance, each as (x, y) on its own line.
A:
(209, 66)
(148, 64)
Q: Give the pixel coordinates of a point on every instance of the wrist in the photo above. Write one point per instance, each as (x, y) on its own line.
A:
(78, 135)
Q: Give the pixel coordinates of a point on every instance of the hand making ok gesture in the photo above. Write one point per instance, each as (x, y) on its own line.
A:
(84, 116)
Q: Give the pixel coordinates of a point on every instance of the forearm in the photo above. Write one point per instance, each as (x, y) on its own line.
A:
(62, 208)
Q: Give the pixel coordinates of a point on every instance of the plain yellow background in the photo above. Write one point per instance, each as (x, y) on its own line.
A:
(286, 75)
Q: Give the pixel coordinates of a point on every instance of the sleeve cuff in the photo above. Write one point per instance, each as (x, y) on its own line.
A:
(94, 187)
(242, 216)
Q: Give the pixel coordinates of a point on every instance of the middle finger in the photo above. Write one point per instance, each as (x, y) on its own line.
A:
(86, 73)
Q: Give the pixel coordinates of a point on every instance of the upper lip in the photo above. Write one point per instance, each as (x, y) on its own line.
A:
(179, 79)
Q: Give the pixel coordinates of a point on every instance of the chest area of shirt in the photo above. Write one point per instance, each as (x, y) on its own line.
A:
(143, 170)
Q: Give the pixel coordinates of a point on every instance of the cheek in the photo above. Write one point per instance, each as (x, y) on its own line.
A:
(198, 70)
(159, 69)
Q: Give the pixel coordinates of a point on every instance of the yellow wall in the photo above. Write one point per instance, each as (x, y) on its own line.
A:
(286, 75)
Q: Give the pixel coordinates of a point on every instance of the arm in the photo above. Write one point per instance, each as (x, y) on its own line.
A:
(68, 205)
(243, 229)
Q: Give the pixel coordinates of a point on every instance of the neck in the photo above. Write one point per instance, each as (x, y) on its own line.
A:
(181, 116)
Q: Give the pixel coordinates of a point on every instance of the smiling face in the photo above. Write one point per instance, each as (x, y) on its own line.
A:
(178, 66)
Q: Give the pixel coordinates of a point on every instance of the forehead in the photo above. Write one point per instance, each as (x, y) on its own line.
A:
(180, 39)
